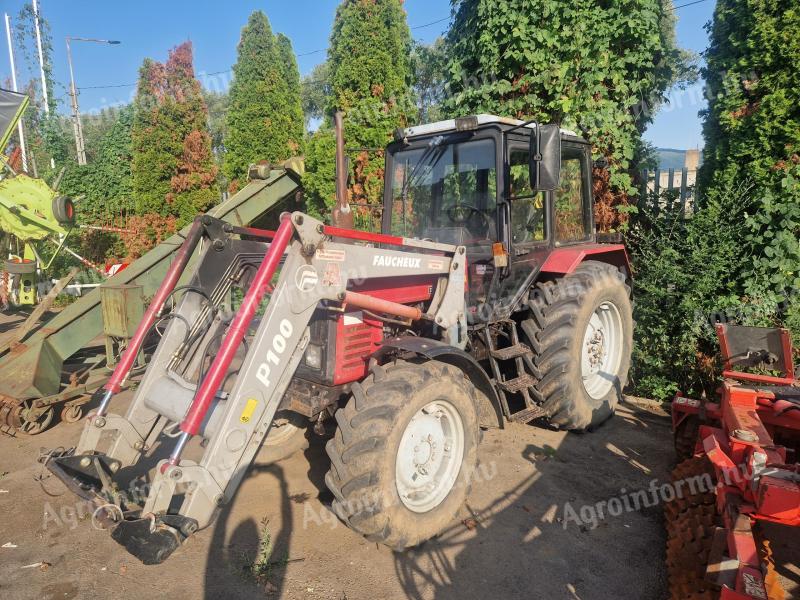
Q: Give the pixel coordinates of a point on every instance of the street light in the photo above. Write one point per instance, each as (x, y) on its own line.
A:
(73, 92)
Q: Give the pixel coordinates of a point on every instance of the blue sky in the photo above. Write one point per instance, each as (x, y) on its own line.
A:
(148, 28)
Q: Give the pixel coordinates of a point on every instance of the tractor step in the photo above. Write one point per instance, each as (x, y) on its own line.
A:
(529, 414)
(518, 384)
(514, 351)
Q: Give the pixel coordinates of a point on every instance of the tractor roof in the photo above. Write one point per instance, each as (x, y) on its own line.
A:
(470, 122)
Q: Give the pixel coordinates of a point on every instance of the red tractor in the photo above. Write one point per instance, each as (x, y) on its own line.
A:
(485, 298)
(740, 464)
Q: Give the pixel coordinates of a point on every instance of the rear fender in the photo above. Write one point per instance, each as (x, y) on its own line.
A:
(489, 410)
(563, 261)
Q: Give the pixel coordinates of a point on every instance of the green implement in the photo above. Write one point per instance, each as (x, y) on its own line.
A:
(34, 375)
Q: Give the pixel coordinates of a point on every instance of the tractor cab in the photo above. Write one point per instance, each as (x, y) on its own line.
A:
(510, 191)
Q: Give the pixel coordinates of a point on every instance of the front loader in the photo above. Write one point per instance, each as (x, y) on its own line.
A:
(486, 299)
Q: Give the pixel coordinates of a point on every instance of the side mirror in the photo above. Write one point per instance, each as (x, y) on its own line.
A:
(545, 157)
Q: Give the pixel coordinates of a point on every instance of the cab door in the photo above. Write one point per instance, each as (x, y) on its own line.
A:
(529, 223)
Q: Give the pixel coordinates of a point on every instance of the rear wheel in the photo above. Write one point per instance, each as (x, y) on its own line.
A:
(581, 328)
(404, 452)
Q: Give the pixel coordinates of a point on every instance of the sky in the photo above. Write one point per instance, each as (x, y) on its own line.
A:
(106, 74)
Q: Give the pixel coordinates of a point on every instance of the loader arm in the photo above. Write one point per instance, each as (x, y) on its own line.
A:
(230, 403)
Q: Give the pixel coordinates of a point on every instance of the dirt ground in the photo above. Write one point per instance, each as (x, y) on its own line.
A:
(519, 540)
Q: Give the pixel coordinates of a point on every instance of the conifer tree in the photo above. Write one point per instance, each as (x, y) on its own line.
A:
(265, 118)
(368, 62)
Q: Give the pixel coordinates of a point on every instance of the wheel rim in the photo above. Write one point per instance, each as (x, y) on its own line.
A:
(72, 414)
(429, 456)
(281, 430)
(601, 351)
(39, 425)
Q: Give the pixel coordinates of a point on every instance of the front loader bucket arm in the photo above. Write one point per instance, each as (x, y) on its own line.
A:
(171, 406)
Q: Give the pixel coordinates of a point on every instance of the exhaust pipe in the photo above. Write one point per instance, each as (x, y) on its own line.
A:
(342, 215)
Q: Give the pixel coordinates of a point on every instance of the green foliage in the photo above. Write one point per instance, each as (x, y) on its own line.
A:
(598, 67)
(218, 104)
(369, 75)
(265, 119)
(752, 128)
(320, 180)
(173, 169)
(429, 64)
(685, 278)
(775, 235)
(103, 187)
(26, 41)
(315, 92)
(47, 136)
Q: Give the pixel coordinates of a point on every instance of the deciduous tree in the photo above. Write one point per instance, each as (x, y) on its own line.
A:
(597, 67)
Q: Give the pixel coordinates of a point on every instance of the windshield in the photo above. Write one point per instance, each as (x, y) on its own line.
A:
(446, 192)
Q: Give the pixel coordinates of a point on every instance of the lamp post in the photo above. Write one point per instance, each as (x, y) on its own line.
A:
(73, 92)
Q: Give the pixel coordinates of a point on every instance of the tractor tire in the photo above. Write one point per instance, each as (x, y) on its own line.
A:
(581, 330)
(63, 210)
(287, 436)
(404, 452)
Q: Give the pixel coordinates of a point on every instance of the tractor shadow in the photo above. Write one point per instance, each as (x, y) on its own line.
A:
(520, 540)
(247, 558)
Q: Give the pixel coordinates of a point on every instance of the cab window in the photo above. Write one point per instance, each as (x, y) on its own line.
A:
(571, 197)
(446, 193)
(528, 214)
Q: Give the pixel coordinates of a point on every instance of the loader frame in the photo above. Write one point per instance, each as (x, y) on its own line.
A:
(315, 266)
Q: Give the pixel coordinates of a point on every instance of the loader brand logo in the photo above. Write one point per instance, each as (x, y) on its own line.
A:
(406, 262)
(306, 278)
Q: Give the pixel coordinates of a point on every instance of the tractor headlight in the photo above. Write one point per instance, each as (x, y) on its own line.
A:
(313, 356)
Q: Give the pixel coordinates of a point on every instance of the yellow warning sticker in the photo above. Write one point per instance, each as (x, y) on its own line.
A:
(248, 411)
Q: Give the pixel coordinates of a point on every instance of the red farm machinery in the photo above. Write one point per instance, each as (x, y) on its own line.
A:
(740, 461)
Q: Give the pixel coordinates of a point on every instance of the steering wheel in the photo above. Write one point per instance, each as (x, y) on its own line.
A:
(462, 213)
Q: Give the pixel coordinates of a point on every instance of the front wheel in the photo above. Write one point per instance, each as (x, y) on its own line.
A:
(582, 329)
(286, 437)
(404, 452)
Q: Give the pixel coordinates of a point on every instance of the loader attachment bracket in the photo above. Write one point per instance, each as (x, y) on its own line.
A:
(152, 539)
(88, 475)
